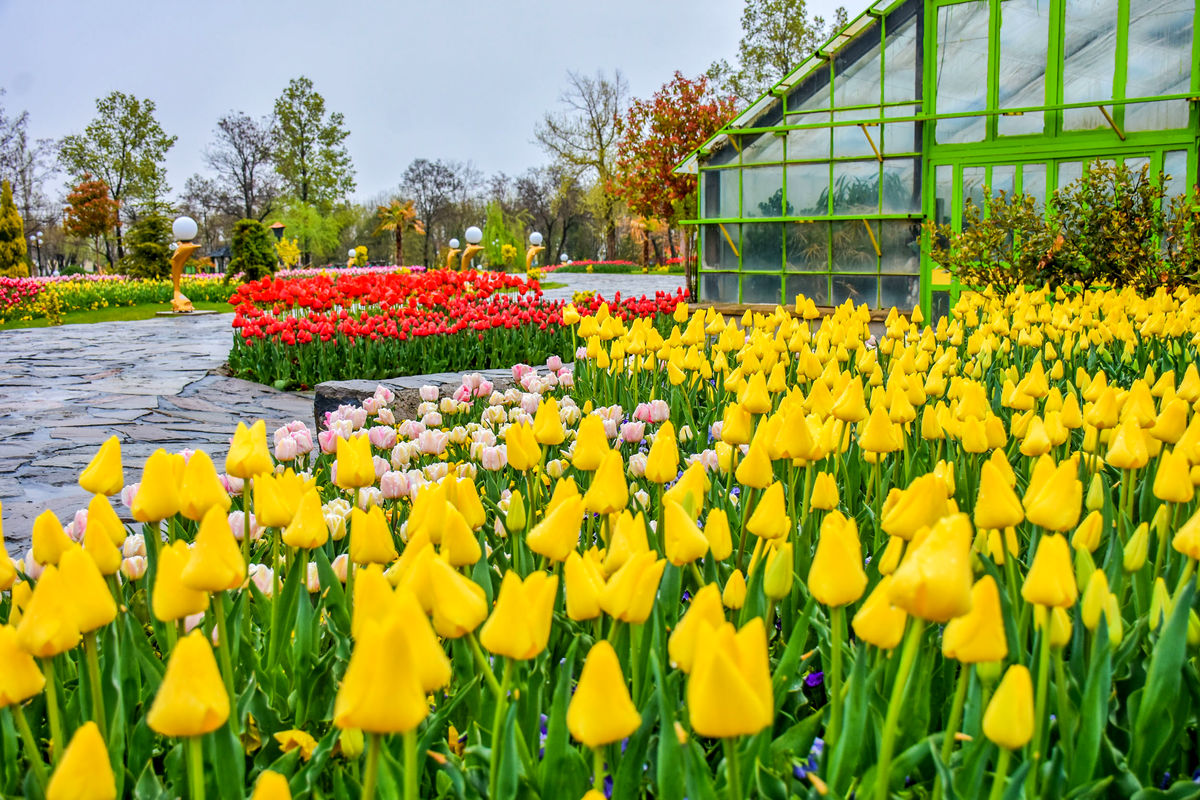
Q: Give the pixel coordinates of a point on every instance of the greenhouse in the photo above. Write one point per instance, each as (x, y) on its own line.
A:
(917, 107)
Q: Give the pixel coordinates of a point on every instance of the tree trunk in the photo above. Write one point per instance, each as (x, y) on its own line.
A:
(120, 244)
(671, 242)
(657, 249)
(425, 252)
(399, 246)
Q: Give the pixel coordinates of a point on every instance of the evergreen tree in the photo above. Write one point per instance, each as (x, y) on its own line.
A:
(253, 250)
(12, 236)
(149, 241)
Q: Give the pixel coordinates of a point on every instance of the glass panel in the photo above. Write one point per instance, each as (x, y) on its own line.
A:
(962, 50)
(857, 289)
(812, 93)
(1175, 167)
(972, 187)
(1003, 180)
(1069, 171)
(939, 306)
(856, 187)
(856, 71)
(719, 287)
(814, 287)
(898, 137)
(1024, 33)
(807, 190)
(900, 291)
(1089, 48)
(762, 192)
(900, 61)
(849, 141)
(808, 246)
(761, 288)
(1033, 181)
(718, 254)
(1134, 165)
(720, 193)
(762, 148)
(900, 243)
(1160, 54)
(854, 247)
(809, 143)
(727, 154)
(762, 246)
(943, 175)
(901, 195)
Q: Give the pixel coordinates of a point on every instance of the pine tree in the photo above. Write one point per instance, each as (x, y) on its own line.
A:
(12, 236)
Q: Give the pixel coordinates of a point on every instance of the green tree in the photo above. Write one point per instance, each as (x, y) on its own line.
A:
(124, 146)
(309, 146)
(12, 236)
(776, 36)
(399, 217)
(253, 250)
(149, 242)
(319, 232)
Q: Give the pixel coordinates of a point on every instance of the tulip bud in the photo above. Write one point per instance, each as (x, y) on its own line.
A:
(84, 770)
(1009, 719)
(104, 474)
(1095, 494)
(1160, 603)
(734, 596)
(601, 711)
(1137, 549)
(779, 574)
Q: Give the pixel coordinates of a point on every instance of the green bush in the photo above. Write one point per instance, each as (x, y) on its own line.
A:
(72, 269)
(253, 250)
(149, 247)
(12, 237)
(1107, 228)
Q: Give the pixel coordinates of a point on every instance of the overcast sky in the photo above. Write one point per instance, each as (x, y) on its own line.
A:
(453, 79)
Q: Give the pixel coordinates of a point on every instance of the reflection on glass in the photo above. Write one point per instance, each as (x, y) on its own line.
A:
(762, 192)
(725, 153)
(900, 246)
(856, 71)
(761, 288)
(901, 193)
(1068, 172)
(719, 287)
(1134, 165)
(762, 246)
(962, 48)
(857, 289)
(1175, 167)
(808, 190)
(1160, 48)
(808, 144)
(856, 187)
(899, 291)
(1024, 33)
(1003, 180)
(814, 287)
(812, 93)
(721, 245)
(939, 305)
(900, 56)
(1089, 50)
(720, 193)
(972, 187)
(849, 141)
(854, 243)
(899, 137)
(762, 148)
(943, 176)
(808, 246)
(1033, 181)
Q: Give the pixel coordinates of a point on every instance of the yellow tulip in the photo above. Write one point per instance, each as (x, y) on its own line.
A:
(933, 581)
(459, 604)
(824, 492)
(459, 545)
(877, 434)
(837, 577)
(591, 444)
(1127, 448)
(48, 626)
(547, 424)
(191, 701)
(104, 474)
(522, 447)
(557, 535)
(171, 598)
(201, 488)
(1095, 596)
(1060, 624)
(705, 611)
(754, 397)
(20, 679)
(1187, 538)
(307, 528)
(891, 555)
(371, 540)
(215, 563)
(716, 531)
(1008, 720)
(878, 622)
(601, 711)
(1172, 480)
(104, 519)
(729, 690)
(355, 466)
(736, 425)
(91, 601)
(734, 595)
(662, 462)
(519, 626)
(8, 570)
(1051, 579)
(683, 542)
(921, 505)
(779, 573)
(609, 491)
(407, 620)
(248, 454)
(630, 592)
(755, 469)
(769, 519)
(627, 539)
(997, 505)
(584, 581)
(50, 541)
(978, 635)
(1087, 535)
(380, 692)
(1136, 549)
(158, 493)
(1054, 501)
(271, 786)
(84, 771)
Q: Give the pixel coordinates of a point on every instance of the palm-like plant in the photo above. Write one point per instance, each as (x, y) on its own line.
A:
(399, 217)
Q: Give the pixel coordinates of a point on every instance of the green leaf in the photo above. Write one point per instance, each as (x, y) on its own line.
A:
(628, 779)
(1093, 711)
(670, 758)
(843, 761)
(557, 743)
(333, 595)
(1180, 790)
(1162, 696)
(788, 663)
(510, 762)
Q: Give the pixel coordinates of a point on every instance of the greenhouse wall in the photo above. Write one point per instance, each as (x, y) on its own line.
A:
(917, 107)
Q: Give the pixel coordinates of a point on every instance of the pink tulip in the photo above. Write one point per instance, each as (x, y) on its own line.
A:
(432, 420)
(394, 485)
(637, 465)
(428, 393)
(190, 622)
(312, 581)
(285, 449)
(263, 577)
(462, 394)
(566, 380)
(371, 406)
(484, 389)
(134, 545)
(128, 493)
(384, 395)
(554, 363)
(432, 443)
(633, 432)
(328, 442)
(32, 568)
(386, 417)
(340, 566)
(520, 370)
(134, 567)
(233, 485)
(493, 458)
(237, 525)
(382, 436)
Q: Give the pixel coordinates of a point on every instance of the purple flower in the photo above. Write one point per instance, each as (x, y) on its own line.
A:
(814, 679)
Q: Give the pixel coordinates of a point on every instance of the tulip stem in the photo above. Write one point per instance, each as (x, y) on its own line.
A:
(1039, 712)
(411, 778)
(1001, 776)
(372, 769)
(93, 668)
(837, 624)
(224, 654)
(497, 721)
(31, 748)
(1065, 722)
(597, 769)
(488, 675)
(733, 773)
(956, 712)
(56, 732)
(195, 767)
(908, 655)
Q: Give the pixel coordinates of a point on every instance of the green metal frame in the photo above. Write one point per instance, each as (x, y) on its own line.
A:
(1053, 146)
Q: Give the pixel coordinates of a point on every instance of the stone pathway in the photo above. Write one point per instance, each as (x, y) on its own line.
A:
(153, 384)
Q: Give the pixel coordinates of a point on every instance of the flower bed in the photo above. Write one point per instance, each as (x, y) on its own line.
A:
(673, 266)
(728, 562)
(34, 298)
(335, 327)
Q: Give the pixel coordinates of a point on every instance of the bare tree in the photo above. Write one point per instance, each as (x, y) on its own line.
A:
(212, 204)
(555, 203)
(27, 165)
(433, 186)
(583, 136)
(241, 156)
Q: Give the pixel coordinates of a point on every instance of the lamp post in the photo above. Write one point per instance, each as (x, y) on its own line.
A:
(535, 247)
(454, 251)
(184, 229)
(36, 242)
(277, 229)
(473, 236)
(351, 256)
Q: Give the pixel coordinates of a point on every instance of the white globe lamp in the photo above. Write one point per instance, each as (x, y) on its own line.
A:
(474, 235)
(184, 229)
(535, 239)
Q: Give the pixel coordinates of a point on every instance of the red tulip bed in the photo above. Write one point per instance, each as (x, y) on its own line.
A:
(300, 332)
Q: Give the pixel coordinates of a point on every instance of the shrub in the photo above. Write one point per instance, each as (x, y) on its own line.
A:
(12, 236)
(253, 250)
(149, 241)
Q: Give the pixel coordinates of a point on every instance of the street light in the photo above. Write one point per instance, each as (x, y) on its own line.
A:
(184, 229)
(452, 253)
(473, 236)
(535, 247)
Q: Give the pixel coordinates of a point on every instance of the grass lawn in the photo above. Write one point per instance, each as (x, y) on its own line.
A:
(113, 314)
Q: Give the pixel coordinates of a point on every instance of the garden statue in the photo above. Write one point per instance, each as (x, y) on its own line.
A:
(452, 253)
(535, 247)
(184, 230)
(473, 236)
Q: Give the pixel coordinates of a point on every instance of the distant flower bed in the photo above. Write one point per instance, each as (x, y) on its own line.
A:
(39, 298)
(343, 270)
(669, 266)
(335, 327)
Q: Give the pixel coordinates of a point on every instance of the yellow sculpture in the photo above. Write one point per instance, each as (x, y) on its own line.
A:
(468, 254)
(454, 251)
(531, 254)
(184, 250)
